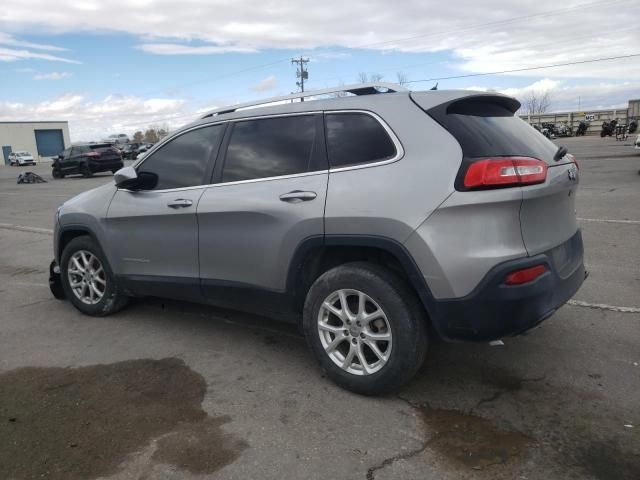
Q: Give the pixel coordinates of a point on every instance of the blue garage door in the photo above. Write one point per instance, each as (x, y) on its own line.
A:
(49, 142)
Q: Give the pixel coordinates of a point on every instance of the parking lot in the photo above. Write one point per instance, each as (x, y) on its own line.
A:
(171, 390)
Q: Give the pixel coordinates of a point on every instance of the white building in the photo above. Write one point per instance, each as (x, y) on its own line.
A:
(41, 139)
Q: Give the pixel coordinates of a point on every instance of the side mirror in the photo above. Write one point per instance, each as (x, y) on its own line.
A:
(128, 178)
(125, 177)
(60, 156)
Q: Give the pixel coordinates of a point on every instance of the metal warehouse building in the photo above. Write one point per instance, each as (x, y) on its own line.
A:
(41, 139)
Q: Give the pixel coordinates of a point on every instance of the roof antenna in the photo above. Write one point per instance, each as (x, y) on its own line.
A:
(435, 87)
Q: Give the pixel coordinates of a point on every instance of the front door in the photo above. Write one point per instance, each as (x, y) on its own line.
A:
(153, 233)
(269, 198)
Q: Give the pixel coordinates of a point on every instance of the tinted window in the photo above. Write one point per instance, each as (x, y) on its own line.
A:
(183, 161)
(487, 127)
(270, 147)
(354, 138)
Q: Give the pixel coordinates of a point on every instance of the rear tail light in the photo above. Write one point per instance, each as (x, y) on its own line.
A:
(524, 275)
(504, 172)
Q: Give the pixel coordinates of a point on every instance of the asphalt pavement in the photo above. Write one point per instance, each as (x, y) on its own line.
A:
(169, 390)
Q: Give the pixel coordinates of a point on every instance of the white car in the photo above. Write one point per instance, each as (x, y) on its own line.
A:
(20, 159)
(117, 138)
(637, 144)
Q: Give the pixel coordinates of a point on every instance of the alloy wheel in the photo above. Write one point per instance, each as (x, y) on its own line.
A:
(87, 277)
(355, 332)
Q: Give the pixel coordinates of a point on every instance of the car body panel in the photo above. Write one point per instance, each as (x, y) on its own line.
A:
(148, 237)
(248, 234)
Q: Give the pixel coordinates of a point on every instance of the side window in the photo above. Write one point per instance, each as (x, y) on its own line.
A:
(183, 161)
(66, 153)
(355, 138)
(270, 147)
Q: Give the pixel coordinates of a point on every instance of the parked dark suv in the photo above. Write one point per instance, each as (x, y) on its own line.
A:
(87, 160)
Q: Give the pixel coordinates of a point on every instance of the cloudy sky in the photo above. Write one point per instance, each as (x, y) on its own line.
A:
(122, 65)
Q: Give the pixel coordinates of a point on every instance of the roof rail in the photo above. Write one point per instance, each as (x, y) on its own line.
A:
(358, 89)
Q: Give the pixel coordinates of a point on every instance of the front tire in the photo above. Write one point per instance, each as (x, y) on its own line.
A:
(87, 278)
(365, 327)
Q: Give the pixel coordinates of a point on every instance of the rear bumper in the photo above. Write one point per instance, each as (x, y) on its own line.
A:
(495, 310)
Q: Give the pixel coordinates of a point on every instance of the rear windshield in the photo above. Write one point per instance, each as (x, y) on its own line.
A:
(485, 128)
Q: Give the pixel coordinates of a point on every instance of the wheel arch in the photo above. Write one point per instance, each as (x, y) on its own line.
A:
(315, 255)
(71, 231)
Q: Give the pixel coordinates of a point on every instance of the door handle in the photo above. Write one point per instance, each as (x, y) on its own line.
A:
(180, 203)
(298, 196)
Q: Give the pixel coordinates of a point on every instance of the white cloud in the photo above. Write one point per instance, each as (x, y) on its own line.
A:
(177, 49)
(12, 55)
(52, 76)
(268, 83)
(489, 36)
(92, 119)
(6, 39)
(567, 96)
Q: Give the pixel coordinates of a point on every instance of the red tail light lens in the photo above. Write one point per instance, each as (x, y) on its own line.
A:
(525, 275)
(505, 172)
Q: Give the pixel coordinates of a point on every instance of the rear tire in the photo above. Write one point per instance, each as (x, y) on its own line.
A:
(94, 290)
(380, 305)
(86, 171)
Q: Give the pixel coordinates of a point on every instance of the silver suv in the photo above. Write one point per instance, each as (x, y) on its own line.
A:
(376, 219)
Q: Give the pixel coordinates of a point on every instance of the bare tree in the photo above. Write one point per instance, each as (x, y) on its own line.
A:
(363, 77)
(138, 137)
(536, 102)
(402, 78)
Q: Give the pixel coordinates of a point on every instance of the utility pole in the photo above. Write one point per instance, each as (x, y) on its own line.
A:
(301, 72)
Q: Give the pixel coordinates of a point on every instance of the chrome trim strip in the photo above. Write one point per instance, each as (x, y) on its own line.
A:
(254, 180)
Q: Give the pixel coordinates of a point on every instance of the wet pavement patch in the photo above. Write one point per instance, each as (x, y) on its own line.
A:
(472, 441)
(78, 423)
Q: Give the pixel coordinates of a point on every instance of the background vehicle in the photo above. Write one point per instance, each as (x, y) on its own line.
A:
(117, 138)
(608, 128)
(582, 128)
(128, 151)
(372, 219)
(637, 143)
(21, 158)
(87, 160)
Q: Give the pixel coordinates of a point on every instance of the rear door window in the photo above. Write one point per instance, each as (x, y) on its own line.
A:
(272, 147)
(355, 138)
(184, 160)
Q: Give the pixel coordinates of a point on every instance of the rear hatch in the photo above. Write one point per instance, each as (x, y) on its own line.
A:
(491, 134)
(104, 153)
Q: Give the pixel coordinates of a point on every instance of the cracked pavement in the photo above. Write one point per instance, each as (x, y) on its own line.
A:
(562, 402)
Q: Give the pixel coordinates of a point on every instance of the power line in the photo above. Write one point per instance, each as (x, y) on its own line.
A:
(526, 68)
